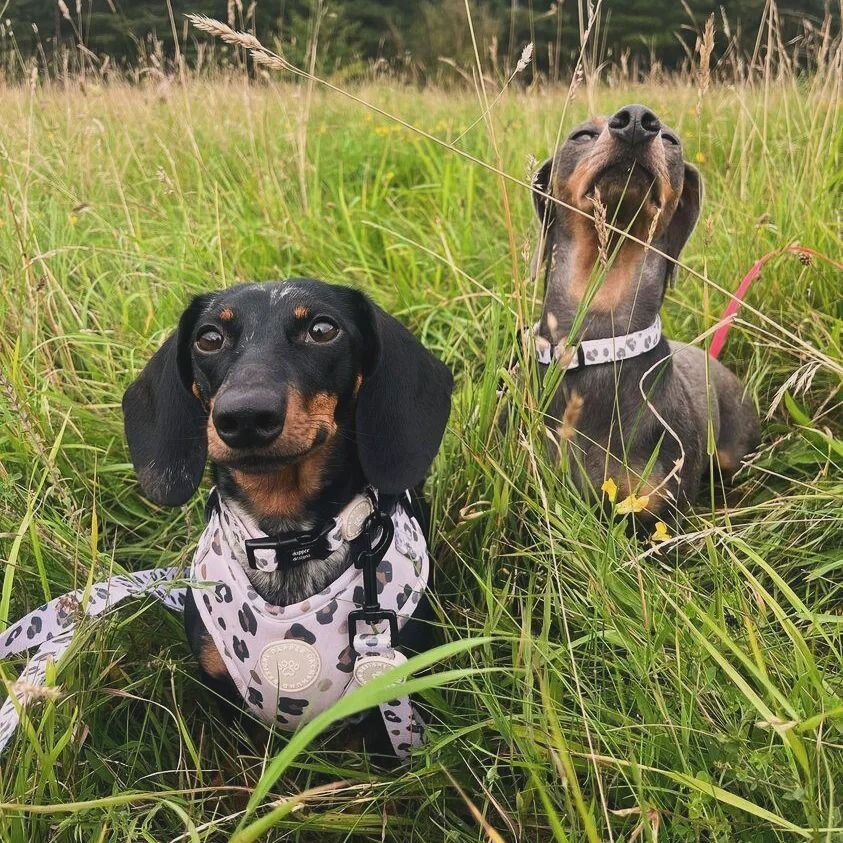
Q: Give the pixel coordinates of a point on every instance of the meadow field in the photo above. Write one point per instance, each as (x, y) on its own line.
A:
(612, 689)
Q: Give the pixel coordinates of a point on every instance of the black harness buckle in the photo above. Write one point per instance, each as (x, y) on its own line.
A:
(292, 551)
(368, 560)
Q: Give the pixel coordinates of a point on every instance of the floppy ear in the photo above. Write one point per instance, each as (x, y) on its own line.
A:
(545, 211)
(165, 422)
(684, 219)
(402, 407)
(541, 183)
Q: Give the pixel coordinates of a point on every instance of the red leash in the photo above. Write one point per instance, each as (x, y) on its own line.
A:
(805, 255)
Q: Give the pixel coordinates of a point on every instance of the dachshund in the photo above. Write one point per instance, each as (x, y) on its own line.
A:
(603, 292)
(301, 394)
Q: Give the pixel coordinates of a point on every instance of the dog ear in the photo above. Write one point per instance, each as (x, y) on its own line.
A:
(165, 422)
(402, 407)
(541, 183)
(684, 219)
(545, 211)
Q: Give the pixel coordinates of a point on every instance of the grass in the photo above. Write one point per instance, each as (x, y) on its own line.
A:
(690, 692)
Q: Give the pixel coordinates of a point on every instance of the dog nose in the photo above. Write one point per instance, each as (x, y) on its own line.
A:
(248, 418)
(634, 124)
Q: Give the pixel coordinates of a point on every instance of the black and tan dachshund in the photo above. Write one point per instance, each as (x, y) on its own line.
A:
(300, 394)
(628, 171)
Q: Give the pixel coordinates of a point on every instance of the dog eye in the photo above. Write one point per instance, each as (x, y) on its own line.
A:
(671, 139)
(209, 340)
(584, 134)
(322, 330)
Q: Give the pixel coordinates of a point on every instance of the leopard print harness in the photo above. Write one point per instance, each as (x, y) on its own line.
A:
(291, 663)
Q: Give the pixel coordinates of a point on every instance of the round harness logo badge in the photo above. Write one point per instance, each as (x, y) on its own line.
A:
(367, 668)
(290, 665)
(355, 519)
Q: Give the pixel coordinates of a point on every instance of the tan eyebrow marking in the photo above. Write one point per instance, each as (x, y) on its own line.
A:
(226, 314)
(301, 312)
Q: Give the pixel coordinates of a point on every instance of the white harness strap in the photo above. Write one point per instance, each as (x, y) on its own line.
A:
(288, 662)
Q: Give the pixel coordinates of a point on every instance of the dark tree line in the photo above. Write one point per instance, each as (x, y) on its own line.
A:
(425, 36)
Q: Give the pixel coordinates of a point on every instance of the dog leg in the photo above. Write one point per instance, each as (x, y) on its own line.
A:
(739, 433)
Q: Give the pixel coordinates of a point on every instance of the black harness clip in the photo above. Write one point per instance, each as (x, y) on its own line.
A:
(368, 560)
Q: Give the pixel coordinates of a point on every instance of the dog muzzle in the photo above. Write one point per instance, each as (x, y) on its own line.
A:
(289, 663)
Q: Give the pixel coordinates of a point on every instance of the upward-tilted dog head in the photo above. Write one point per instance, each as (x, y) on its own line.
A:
(631, 165)
(275, 379)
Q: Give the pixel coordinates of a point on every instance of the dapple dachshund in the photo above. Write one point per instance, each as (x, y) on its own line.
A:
(628, 170)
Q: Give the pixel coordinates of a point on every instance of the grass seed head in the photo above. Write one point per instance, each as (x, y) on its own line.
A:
(601, 228)
(28, 693)
(571, 417)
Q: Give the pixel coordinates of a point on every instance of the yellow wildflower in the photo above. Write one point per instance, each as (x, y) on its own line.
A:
(610, 488)
(700, 158)
(632, 504)
(73, 219)
(661, 534)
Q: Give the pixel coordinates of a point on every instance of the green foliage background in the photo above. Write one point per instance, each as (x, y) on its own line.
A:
(407, 34)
